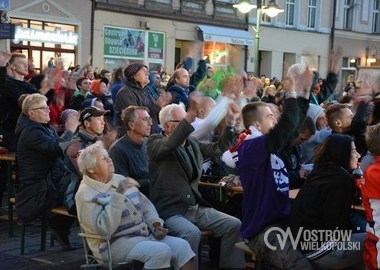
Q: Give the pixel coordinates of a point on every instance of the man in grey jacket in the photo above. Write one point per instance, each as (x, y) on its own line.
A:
(175, 166)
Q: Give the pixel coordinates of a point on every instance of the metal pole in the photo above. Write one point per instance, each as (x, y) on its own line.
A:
(257, 39)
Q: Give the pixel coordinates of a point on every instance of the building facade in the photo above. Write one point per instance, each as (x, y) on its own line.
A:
(51, 30)
(159, 33)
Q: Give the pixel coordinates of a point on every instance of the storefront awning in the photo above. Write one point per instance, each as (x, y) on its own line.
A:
(226, 35)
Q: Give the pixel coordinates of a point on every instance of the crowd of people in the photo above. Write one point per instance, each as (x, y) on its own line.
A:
(125, 151)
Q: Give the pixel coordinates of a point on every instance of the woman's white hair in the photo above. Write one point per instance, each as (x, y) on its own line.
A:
(166, 112)
(87, 157)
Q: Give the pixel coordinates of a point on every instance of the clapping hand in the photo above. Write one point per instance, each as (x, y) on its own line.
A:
(233, 114)
(72, 122)
(302, 79)
(125, 184)
(194, 101)
(4, 58)
(160, 232)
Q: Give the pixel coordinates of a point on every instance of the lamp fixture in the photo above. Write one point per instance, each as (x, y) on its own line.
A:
(371, 54)
(272, 9)
(144, 25)
(244, 6)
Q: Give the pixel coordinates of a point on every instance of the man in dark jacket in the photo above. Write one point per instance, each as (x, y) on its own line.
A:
(13, 88)
(135, 93)
(175, 167)
(181, 89)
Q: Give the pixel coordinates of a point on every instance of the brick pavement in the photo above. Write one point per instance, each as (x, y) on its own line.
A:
(53, 257)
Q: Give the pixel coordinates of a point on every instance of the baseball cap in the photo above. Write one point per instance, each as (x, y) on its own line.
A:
(90, 112)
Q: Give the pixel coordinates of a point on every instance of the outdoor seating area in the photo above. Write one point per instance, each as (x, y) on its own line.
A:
(52, 257)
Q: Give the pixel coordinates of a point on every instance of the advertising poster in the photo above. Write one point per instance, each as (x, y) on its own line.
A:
(123, 42)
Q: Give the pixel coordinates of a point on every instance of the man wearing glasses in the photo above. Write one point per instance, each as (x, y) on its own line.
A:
(175, 167)
(129, 152)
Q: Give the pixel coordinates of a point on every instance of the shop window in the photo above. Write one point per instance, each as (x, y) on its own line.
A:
(41, 52)
(67, 59)
(311, 60)
(36, 60)
(46, 55)
(21, 23)
(35, 25)
(216, 53)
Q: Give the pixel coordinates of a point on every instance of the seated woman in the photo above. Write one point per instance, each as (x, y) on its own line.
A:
(323, 205)
(39, 160)
(110, 204)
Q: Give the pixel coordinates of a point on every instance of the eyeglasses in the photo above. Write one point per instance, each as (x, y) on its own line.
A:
(145, 119)
(44, 108)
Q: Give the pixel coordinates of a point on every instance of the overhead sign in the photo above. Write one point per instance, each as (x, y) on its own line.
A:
(7, 31)
(4, 5)
(57, 36)
(226, 35)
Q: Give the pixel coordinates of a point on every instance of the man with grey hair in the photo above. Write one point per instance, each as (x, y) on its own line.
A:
(175, 166)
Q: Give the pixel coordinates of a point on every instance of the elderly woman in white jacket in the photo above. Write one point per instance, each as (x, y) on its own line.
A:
(110, 204)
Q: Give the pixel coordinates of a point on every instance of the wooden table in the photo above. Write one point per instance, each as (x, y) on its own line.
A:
(239, 189)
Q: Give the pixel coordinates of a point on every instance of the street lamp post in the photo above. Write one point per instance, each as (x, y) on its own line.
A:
(271, 10)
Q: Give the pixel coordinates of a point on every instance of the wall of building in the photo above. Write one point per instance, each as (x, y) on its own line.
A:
(66, 12)
(277, 41)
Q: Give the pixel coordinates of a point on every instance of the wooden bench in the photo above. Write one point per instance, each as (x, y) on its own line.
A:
(59, 210)
(250, 264)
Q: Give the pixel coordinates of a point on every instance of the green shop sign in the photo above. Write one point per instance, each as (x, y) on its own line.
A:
(156, 45)
(131, 43)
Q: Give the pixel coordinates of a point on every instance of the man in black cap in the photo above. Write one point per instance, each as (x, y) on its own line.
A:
(91, 130)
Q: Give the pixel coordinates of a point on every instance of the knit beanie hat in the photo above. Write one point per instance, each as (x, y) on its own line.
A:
(314, 111)
(131, 70)
(66, 114)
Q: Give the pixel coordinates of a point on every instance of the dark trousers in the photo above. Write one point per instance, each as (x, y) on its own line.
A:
(60, 224)
(275, 256)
